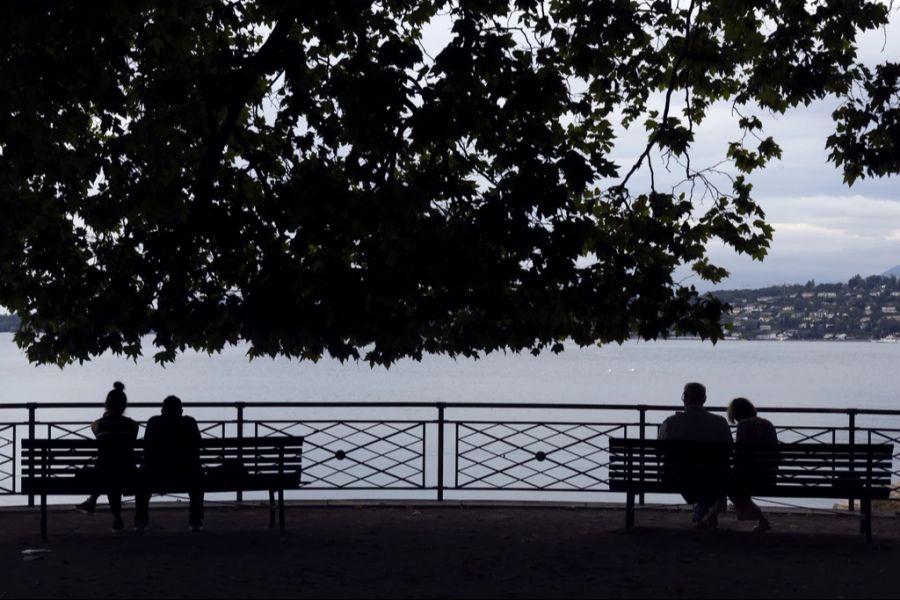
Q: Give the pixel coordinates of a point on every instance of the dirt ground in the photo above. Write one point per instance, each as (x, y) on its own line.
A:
(449, 551)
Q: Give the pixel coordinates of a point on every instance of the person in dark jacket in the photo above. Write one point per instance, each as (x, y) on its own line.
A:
(702, 488)
(752, 471)
(114, 396)
(115, 435)
(171, 460)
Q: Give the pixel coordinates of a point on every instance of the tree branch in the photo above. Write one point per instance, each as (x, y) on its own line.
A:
(246, 80)
(668, 104)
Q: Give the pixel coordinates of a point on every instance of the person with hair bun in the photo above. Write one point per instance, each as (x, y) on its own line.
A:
(116, 435)
(752, 430)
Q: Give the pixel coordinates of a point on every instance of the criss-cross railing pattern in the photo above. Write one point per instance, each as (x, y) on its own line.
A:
(534, 456)
(442, 448)
(68, 431)
(357, 454)
(213, 429)
(8, 458)
(812, 435)
(888, 436)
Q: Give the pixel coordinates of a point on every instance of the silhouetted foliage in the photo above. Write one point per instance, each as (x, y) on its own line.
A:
(301, 175)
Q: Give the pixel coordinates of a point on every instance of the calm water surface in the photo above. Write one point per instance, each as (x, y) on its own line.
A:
(833, 374)
(794, 374)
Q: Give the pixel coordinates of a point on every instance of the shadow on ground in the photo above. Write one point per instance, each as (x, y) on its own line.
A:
(447, 552)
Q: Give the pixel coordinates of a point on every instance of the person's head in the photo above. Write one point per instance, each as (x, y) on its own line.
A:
(740, 409)
(116, 400)
(694, 394)
(171, 406)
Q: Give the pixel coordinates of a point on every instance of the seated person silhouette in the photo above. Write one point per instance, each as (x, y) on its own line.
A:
(115, 435)
(702, 477)
(171, 461)
(90, 503)
(755, 461)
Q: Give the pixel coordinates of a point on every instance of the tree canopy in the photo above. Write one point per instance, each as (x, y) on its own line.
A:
(306, 177)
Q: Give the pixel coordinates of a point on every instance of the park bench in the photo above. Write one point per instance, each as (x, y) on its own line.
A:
(806, 470)
(65, 467)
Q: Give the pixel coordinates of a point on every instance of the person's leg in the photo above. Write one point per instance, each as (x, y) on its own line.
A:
(89, 505)
(115, 507)
(195, 515)
(141, 509)
(747, 510)
(702, 507)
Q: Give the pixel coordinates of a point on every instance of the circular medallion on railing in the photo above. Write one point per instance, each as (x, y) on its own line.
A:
(340, 455)
(541, 456)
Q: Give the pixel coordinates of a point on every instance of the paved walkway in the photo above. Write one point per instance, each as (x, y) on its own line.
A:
(453, 551)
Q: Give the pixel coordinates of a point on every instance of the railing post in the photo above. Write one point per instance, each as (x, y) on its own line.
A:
(441, 406)
(240, 434)
(643, 433)
(32, 424)
(851, 413)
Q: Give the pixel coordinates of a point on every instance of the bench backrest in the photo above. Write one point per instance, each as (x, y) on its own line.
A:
(66, 459)
(783, 469)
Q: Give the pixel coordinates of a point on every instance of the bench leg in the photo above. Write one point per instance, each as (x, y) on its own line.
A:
(867, 518)
(281, 509)
(629, 510)
(271, 509)
(43, 517)
(862, 517)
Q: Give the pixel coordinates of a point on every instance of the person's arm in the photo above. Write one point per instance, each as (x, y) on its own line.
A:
(726, 432)
(194, 430)
(192, 437)
(150, 437)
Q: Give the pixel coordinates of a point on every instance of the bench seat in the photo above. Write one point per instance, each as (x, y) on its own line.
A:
(806, 470)
(65, 467)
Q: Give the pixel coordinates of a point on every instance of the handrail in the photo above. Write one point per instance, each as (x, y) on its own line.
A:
(460, 447)
(452, 405)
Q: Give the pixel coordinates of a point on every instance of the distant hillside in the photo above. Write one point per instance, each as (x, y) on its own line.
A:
(895, 272)
(9, 323)
(861, 309)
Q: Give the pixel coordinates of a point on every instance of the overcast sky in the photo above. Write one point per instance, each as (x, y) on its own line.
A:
(823, 229)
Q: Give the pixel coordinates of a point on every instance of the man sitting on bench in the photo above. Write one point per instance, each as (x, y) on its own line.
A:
(171, 461)
(701, 477)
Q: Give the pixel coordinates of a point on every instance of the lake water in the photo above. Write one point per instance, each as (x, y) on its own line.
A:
(836, 374)
(772, 374)
(821, 374)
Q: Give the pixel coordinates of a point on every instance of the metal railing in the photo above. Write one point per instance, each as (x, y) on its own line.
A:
(418, 450)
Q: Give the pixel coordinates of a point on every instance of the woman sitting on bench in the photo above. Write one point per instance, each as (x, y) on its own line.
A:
(116, 435)
(751, 471)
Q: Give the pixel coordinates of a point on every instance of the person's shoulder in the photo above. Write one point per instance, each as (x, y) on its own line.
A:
(756, 422)
(674, 417)
(765, 425)
(720, 418)
(720, 425)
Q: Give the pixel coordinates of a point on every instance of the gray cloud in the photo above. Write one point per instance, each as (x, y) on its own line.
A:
(824, 230)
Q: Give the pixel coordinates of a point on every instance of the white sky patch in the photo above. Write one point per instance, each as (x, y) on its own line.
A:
(823, 229)
(825, 238)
